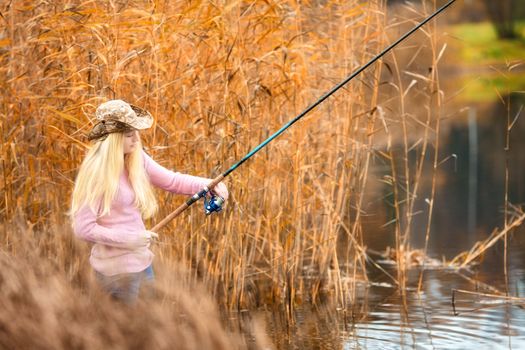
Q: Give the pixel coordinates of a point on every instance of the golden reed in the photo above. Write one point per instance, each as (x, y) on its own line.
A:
(219, 77)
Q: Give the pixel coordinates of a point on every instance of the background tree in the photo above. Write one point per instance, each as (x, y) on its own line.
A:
(504, 14)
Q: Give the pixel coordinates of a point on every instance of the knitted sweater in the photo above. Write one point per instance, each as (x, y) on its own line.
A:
(118, 237)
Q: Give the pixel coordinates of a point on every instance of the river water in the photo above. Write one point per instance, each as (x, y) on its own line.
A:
(478, 173)
(470, 203)
(422, 321)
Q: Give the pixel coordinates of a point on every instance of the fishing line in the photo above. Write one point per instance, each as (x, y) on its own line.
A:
(214, 203)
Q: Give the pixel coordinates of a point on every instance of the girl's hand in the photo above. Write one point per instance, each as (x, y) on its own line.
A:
(221, 190)
(149, 236)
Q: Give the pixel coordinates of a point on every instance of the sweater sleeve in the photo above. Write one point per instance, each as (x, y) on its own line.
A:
(86, 227)
(174, 182)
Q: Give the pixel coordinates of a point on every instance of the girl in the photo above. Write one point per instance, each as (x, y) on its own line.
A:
(113, 193)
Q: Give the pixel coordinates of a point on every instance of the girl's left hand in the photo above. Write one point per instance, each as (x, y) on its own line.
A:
(221, 190)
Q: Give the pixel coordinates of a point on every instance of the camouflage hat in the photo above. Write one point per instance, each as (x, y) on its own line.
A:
(119, 116)
(103, 128)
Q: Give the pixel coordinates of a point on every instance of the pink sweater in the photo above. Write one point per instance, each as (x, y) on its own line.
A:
(118, 246)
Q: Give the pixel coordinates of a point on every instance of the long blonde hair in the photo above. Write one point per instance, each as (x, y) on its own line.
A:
(98, 177)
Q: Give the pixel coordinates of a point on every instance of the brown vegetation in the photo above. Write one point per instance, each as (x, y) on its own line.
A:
(41, 309)
(219, 77)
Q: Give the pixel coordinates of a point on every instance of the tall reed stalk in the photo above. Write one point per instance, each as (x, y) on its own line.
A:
(412, 128)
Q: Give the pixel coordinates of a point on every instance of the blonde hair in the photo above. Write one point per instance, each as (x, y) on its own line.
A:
(98, 177)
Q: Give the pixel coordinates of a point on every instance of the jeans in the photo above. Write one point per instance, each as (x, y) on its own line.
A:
(125, 287)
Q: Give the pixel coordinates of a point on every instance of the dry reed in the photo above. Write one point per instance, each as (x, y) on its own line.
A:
(465, 259)
(41, 309)
(219, 77)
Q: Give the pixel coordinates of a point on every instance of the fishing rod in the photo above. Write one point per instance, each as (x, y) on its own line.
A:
(214, 204)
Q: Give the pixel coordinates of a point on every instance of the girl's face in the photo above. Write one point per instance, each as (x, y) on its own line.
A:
(131, 141)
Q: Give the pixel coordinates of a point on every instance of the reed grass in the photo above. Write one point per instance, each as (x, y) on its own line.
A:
(43, 309)
(220, 77)
(465, 259)
(416, 104)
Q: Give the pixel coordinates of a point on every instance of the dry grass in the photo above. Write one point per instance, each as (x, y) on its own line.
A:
(477, 251)
(220, 77)
(41, 309)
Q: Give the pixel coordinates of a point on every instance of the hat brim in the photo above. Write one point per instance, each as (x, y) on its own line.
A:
(144, 119)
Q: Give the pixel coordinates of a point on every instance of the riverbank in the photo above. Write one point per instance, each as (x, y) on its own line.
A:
(488, 67)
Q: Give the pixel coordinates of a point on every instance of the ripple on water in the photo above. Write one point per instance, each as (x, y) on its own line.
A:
(429, 323)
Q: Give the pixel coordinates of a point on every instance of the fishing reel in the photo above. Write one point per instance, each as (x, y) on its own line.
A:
(213, 203)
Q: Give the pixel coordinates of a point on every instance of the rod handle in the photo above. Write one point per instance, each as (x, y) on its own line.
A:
(187, 204)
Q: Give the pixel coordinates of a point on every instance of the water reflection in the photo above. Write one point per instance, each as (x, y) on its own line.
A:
(470, 195)
(424, 321)
(427, 321)
(487, 124)
(469, 205)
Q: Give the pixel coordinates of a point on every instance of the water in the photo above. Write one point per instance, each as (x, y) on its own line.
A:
(427, 321)
(469, 206)
(384, 320)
